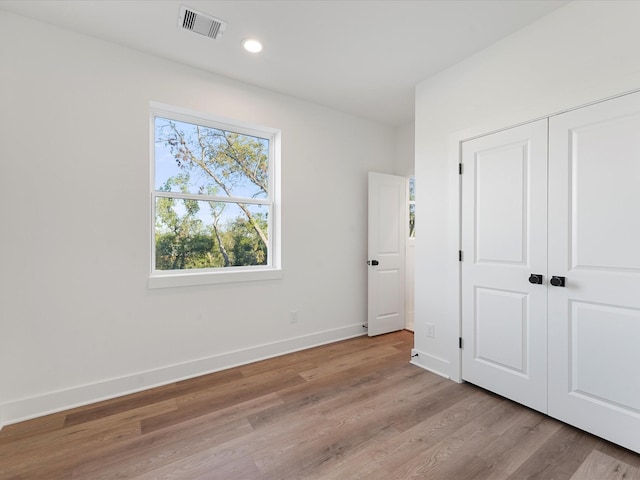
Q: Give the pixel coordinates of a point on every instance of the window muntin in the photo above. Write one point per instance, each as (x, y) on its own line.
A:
(213, 195)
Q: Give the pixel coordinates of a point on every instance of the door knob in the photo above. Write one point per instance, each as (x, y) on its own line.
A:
(373, 262)
(535, 278)
(557, 281)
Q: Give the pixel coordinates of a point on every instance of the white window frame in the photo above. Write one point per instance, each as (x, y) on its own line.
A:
(203, 276)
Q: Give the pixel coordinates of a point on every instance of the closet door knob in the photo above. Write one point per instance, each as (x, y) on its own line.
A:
(536, 279)
(557, 281)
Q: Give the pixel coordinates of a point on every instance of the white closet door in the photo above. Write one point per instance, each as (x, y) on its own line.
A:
(504, 242)
(594, 242)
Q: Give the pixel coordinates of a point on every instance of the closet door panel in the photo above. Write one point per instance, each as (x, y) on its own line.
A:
(504, 235)
(594, 242)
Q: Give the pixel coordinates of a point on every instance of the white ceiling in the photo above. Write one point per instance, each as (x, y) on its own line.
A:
(362, 57)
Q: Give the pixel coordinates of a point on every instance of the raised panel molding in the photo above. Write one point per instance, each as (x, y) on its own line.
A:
(500, 233)
(501, 329)
(605, 194)
(601, 339)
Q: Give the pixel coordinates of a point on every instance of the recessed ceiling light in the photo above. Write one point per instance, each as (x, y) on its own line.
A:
(251, 45)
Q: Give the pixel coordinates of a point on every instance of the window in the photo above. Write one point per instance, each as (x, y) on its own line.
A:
(214, 200)
(412, 207)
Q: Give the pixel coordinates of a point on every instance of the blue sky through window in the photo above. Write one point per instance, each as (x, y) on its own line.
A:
(203, 142)
(167, 167)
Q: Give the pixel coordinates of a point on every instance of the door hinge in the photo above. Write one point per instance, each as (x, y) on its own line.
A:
(460, 342)
(460, 168)
(459, 255)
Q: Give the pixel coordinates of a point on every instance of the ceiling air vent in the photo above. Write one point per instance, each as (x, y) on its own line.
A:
(201, 23)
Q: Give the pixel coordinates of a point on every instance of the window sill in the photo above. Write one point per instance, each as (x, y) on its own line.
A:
(209, 278)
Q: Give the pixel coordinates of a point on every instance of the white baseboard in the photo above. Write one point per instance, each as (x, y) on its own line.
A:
(429, 362)
(52, 402)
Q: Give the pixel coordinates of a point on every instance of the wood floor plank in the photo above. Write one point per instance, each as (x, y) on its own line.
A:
(286, 433)
(602, 466)
(528, 431)
(119, 426)
(206, 401)
(457, 456)
(400, 390)
(122, 404)
(346, 386)
(347, 361)
(12, 433)
(559, 457)
(621, 454)
(318, 453)
(355, 409)
(452, 457)
(313, 357)
(300, 426)
(343, 395)
(171, 444)
(431, 400)
(158, 450)
(403, 448)
(357, 471)
(57, 449)
(205, 466)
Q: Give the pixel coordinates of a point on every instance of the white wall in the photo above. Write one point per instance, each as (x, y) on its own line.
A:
(405, 148)
(78, 322)
(585, 51)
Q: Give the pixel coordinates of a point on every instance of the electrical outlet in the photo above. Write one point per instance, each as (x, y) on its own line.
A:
(293, 316)
(430, 330)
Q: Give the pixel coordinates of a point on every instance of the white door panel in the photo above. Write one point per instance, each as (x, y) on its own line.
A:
(594, 241)
(501, 321)
(504, 242)
(500, 199)
(387, 232)
(602, 336)
(606, 193)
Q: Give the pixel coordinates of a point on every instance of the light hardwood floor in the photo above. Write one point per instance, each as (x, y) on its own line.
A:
(350, 410)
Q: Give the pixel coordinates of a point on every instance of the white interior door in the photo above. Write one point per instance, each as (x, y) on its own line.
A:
(594, 243)
(504, 242)
(387, 232)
